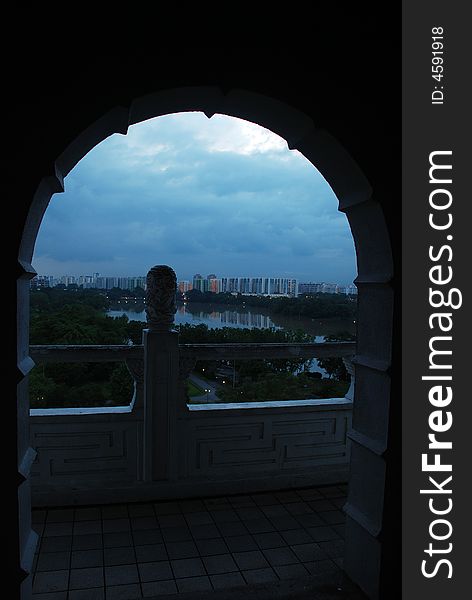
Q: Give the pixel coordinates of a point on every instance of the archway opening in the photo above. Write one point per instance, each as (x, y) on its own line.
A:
(371, 408)
(221, 196)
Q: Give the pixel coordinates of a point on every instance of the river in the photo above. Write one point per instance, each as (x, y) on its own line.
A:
(222, 315)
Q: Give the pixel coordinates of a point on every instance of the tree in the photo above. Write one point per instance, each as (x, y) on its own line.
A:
(334, 366)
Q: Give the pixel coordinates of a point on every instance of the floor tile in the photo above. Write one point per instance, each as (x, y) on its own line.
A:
(203, 544)
(178, 550)
(111, 525)
(225, 515)
(249, 513)
(87, 558)
(241, 543)
(260, 575)
(262, 525)
(321, 566)
(212, 546)
(291, 571)
(232, 528)
(176, 534)
(310, 520)
(143, 523)
(286, 522)
(202, 532)
(88, 541)
(51, 581)
(333, 548)
(119, 556)
(250, 560)
(122, 574)
(88, 594)
(271, 539)
(275, 510)
(150, 536)
(194, 584)
(117, 538)
(322, 504)
(299, 508)
(227, 580)
(296, 536)
(86, 578)
(159, 588)
(82, 527)
(150, 553)
(199, 518)
(51, 596)
(307, 552)
(57, 544)
(53, 561)
(280, 556)
(323, 533)
(124, 592)
(220, 563)
(155, 571)
(58, 529)
(187, 567)
(333, 517)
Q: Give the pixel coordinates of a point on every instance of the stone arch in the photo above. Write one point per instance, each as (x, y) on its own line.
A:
(369, 436)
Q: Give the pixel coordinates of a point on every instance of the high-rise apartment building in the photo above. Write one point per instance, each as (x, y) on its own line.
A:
(326, 288)
(260, 286)
(184, 286)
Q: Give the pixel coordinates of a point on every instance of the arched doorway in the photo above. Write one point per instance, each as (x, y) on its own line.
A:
(375, 299)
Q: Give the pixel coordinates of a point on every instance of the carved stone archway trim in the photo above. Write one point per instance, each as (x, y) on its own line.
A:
(365, 506)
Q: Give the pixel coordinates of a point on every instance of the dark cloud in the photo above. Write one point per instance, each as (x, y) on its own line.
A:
(203, 202)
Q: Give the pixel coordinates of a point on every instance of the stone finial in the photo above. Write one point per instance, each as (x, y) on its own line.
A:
(160, 298)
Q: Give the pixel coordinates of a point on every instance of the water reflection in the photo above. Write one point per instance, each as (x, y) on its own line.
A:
(220, 315)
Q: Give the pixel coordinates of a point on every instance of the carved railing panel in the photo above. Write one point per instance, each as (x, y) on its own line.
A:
(80, 450)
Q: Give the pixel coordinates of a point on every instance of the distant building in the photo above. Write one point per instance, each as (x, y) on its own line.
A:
(326, 288)
(351, 289)
(184, 286)
(258, 286)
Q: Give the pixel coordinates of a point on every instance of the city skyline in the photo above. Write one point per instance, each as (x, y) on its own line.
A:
(185, 190)
(74, 277)
(261, 285)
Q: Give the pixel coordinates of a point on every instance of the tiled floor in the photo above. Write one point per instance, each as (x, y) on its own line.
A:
(128, 551)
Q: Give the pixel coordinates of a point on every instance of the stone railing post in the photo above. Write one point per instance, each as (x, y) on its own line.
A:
(161, 375)
(350, 369)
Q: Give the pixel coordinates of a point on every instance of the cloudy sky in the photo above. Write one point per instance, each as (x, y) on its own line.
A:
(217, 195)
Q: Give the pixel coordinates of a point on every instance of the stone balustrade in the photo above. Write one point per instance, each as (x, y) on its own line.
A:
(161, 446)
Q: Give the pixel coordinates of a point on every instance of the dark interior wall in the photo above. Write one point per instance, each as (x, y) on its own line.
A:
(348, 84)
(342, 84)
